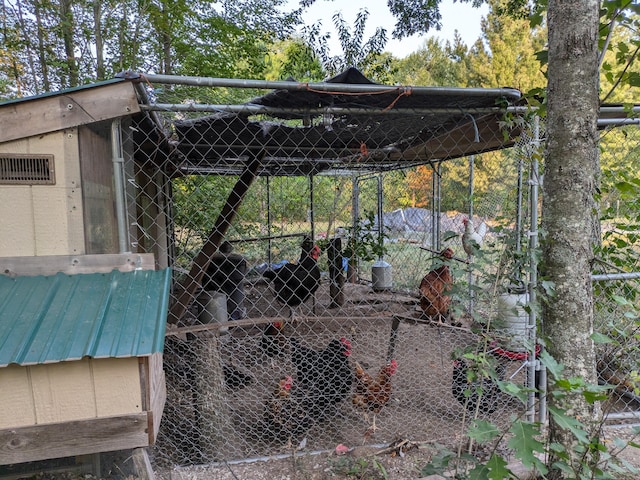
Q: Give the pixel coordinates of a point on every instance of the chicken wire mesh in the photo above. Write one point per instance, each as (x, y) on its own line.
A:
(238, 225)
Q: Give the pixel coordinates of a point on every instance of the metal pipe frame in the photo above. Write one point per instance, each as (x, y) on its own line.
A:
(510, 93)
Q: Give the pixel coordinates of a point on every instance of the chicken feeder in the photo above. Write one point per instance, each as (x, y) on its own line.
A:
(381, 276)
(512, 322)
(213, 308)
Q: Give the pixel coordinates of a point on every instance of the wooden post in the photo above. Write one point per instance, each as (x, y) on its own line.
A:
(393, 337)
(142, 464)
(186, 290)
(336, 275)
(213, 421)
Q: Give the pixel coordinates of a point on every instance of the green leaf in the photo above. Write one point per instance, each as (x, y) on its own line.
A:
(558, 448)
(497, 468)
(564, 467)
(494, 468)
(601, 338)
(594, 396)
(619, 443)
(626, 187)
(482, 431)
(514, 390)
(548, 287)
(620, 300)
(542, 56)
(449, 234)
(479, 472)
(554, 368)
(525, 444)
(569, 423)
(634, 79)
(439, 463)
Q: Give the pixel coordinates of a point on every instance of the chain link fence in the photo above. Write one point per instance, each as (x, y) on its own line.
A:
(269, 334)
(616, 276)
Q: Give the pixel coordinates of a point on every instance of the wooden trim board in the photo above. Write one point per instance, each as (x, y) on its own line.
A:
(67, 439)
(70, 264)
(66, 110)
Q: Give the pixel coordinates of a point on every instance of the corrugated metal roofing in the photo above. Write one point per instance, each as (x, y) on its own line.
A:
(47, 319)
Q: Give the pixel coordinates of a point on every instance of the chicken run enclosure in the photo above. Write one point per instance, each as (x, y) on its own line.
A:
(381, 179)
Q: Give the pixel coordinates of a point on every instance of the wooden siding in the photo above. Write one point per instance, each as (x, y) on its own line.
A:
(158, 394)
(98, 194)
(44, 219)
(69, 391)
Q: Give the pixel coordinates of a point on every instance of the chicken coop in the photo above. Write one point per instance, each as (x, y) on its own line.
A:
(302, 223)
(82, 314)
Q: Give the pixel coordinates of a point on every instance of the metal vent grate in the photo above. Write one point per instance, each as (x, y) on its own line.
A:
(19, 169)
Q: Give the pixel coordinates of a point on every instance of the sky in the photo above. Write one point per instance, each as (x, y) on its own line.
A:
(460, 16)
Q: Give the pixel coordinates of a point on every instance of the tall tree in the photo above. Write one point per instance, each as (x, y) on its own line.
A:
(63, 43)
(67, 27)
(293, 58)
(571, 172)
(419, 186)
(506, 56)
(434, 64)
(356, 51)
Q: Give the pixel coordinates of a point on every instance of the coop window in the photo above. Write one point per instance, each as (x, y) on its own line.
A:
(19, 169)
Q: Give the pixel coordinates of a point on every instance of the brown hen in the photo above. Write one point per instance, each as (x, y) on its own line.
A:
(373, 392)
(434, 300)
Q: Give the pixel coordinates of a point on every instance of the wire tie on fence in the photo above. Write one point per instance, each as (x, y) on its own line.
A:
(364, 151)
(406, 91)
(147, 81)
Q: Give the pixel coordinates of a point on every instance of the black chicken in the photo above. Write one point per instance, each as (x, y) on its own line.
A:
(470, 386)
(273, 341)
(324, 375)
(285, 414)
(294, 283)
(234, 378)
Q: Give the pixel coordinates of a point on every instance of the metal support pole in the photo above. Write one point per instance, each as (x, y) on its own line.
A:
(117, 160)
(269, 260)
(472, 159)
(519, 208)
(532, 364)
(380, 226)
(435, 211)
(355, 215)
(312, 219)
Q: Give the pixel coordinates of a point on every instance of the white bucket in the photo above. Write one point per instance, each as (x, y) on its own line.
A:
(213, 308)
(381, 275)
(512, 323)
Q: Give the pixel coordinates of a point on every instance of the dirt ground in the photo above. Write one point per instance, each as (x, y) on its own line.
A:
(402, 461)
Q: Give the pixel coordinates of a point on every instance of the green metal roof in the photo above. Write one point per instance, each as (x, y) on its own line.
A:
(47, 319)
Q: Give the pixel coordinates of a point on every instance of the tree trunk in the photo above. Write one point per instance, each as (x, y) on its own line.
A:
(36, 80)
(568, 212)
(67, 26)
(97, 29)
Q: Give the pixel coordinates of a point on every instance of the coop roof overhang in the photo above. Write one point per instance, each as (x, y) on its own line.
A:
(61, 317)
(345, 123)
